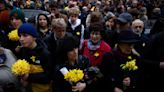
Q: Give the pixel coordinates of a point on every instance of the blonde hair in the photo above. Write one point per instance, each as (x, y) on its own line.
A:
(59, 22)
(74, 11)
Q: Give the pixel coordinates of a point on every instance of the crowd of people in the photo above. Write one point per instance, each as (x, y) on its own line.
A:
(107, 39)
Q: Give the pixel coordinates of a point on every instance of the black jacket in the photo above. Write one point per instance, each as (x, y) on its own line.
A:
(61, 85)
(153, 74)
(55, 47)
(42, 58)
(114, 74)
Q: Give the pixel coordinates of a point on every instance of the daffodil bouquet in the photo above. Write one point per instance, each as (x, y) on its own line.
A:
(20, 67)
(74, 75)
(130, 65)
(13, 35)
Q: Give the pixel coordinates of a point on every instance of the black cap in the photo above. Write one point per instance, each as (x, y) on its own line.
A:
(125, 18)
(127, 36)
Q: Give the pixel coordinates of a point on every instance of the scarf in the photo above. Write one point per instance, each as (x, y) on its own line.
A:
(92, 46)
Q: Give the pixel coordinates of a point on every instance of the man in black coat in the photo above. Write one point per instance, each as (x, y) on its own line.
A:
(154, 64)
(138, 28)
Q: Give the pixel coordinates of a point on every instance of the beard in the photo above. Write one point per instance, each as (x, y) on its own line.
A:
(138, 32)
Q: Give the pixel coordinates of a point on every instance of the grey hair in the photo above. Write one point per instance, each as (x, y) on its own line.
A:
(138, 21)
(59, 22)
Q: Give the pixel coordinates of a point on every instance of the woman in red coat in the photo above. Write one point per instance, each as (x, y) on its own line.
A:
(94, 48)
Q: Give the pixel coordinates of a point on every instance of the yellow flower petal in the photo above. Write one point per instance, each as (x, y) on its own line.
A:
(20, 67)
(130, 65)
(129, 57)
(33, 58)
(77, 33)
(13, 35)
(96, 54)
(74, 75)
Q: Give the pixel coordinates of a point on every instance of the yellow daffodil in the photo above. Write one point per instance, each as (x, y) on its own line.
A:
(18, 46)
(36, 68)
(130, 65)
(77, 33)
(74, 75)
(96, 54)
(13, 35)
(33, 58)
(20, 67)
(129, 57)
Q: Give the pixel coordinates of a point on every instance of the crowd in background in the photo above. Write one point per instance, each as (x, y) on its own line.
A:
(97, 36)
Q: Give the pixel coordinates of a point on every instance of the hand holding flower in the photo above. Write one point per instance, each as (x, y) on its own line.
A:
(17, 49)
(79, 87)
(23, 79)
(25, 76)
(24, 82)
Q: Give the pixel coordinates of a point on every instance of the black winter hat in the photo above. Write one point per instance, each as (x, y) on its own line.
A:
(127, 36)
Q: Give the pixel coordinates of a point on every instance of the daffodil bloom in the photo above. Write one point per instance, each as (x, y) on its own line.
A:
(77, 33)
(129, 57)
(96, 54)
(33, 58)
(74, 75)
(130, 65)
(13, 35)
(18, 46)
(20, 67)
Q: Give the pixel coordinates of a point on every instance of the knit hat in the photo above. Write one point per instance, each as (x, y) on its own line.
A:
(18, 13)
(28, 29)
